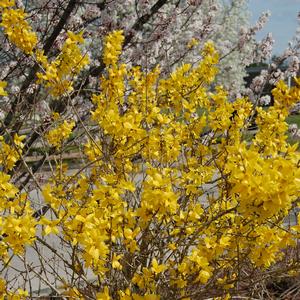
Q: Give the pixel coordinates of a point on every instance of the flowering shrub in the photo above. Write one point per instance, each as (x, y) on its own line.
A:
(168, 198)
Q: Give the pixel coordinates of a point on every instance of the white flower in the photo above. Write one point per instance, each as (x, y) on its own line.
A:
(2, 115)
(293, 128)
(265, 100)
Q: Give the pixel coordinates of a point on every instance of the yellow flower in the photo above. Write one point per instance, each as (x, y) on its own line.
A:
(57, 135)
(7, 3)
(115, 262)
(104, 295)
(113, 47)
(58, 74)
(3, 84)
(156, 268)
(192, 43)
(203, 276)
(18, 30)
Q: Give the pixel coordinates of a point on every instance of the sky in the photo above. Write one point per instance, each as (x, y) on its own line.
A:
(282, 23)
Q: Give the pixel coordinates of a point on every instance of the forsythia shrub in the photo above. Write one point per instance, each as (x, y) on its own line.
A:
(172, 201)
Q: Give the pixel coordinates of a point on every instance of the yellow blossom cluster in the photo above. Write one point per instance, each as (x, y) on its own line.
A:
(7, 3)
(57, 135)
(3, 84)
(17, 226)
(58, 74)
(175, 201)
(16, 27)
(149, 222)
(10, 152)
(113, 48)
(18, 295)
(263, 186)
